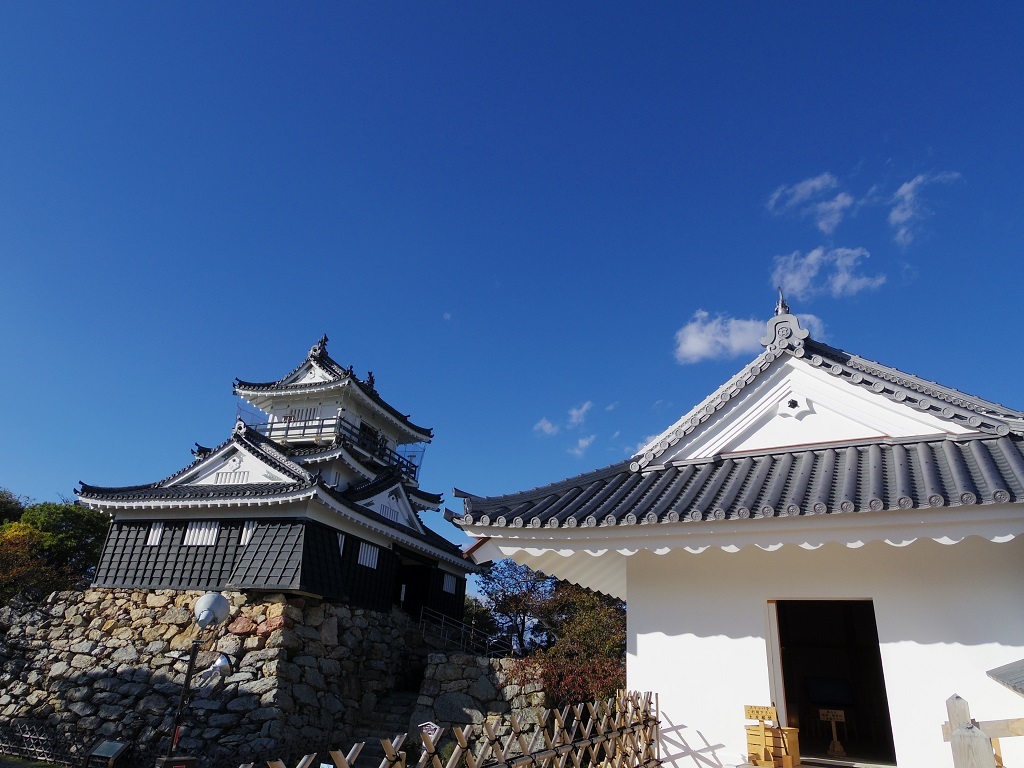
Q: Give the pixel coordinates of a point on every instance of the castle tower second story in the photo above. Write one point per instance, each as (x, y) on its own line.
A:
(322, 403)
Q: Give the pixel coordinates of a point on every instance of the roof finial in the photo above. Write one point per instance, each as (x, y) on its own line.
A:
(320, 348)
(781, 307)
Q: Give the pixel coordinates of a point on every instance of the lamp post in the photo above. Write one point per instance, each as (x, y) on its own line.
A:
(211, 610)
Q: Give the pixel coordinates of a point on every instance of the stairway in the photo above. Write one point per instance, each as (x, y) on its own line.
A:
(389, 718)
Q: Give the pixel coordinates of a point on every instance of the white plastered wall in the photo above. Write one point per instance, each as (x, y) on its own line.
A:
(945, 614)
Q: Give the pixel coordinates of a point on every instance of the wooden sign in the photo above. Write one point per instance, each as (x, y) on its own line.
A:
(832, 715)
(760, 713)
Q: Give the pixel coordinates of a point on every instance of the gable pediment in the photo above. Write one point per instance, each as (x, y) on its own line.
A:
(794, 403)
(394, 505)
(232, 466)
(308, 374)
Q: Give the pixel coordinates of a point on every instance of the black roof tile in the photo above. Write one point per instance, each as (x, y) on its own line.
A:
(802, 481)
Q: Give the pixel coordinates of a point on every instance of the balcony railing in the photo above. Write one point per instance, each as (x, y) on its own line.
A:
(326, 430)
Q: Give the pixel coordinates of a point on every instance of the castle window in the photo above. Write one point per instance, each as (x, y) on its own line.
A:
(247, 531)
(201, 533)
(449, 583)
(341, 543)
(367, 555)
(389, 512)
(156, 532)
(232, 478)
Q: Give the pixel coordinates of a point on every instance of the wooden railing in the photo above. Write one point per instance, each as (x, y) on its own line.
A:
(620, 732)
(311, 430)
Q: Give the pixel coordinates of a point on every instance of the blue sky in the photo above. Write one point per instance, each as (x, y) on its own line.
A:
(549, 229)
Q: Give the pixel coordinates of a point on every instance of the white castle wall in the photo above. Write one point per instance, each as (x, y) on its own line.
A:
(945, 614)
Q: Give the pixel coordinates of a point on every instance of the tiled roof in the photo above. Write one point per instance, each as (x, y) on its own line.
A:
(815, 480)
(318, 355)
(784, 336)
(175, 492)
(1011, 675)
(242, 435)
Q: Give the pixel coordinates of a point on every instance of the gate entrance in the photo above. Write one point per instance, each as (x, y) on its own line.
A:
(830, 660)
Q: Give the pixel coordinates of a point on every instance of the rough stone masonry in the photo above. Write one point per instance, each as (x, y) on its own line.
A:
(111, 663)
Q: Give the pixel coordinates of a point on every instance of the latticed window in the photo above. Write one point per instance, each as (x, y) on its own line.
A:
(156, 532)
(301, 414)
(232, 478)
(247, 531)
(368, 554)
(449, 583)
(341, 543)
(201, 533)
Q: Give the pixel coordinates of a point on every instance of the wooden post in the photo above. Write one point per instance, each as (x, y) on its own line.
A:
(971, 748)
(958, 712)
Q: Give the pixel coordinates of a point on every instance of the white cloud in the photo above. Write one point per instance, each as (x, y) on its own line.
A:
(612, 406)
(578, 415)
(447, 315)
(545, 427)
(907, 209)
(708, 338)
(645, 442)
(829, 214)
(814, 326)
(581, 446)
(790, 196)
(819, 271)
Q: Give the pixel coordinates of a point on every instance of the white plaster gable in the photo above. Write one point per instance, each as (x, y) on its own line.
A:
(795, 403)
(232, 466)
(309, 373)
(394, 505)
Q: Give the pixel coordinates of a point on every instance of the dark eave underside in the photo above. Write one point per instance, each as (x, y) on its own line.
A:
(807, 481)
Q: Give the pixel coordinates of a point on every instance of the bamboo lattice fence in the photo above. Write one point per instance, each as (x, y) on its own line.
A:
(619, 732)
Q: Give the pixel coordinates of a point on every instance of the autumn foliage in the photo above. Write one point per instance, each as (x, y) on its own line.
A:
(571, 639)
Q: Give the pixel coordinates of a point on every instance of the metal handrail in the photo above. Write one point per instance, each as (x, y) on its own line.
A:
(465, 636)
(317, 429)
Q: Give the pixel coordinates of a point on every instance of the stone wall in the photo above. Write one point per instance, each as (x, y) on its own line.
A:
(461, 689)
(110, 663)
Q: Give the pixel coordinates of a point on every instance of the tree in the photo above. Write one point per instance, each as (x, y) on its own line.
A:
(585, 658)
(573, 640)
(73, 535)
(11, 506)
(22, 565)
(515, 595)
(49, 546)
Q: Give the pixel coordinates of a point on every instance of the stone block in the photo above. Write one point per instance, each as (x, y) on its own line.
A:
(457, 708)
(242, 626)
(243, 704)
(176, 615)
(279, 700)
(125, 655)
(258, 687)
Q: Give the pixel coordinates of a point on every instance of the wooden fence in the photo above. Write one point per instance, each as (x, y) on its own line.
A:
(974, 744)
(620, 732)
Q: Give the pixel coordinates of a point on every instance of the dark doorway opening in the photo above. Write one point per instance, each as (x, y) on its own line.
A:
(412, 585)
(830, 661)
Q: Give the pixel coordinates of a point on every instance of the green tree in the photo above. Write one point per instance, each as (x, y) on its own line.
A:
(73, 535)
(11, 506)
(49, 547)
(516, 595)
